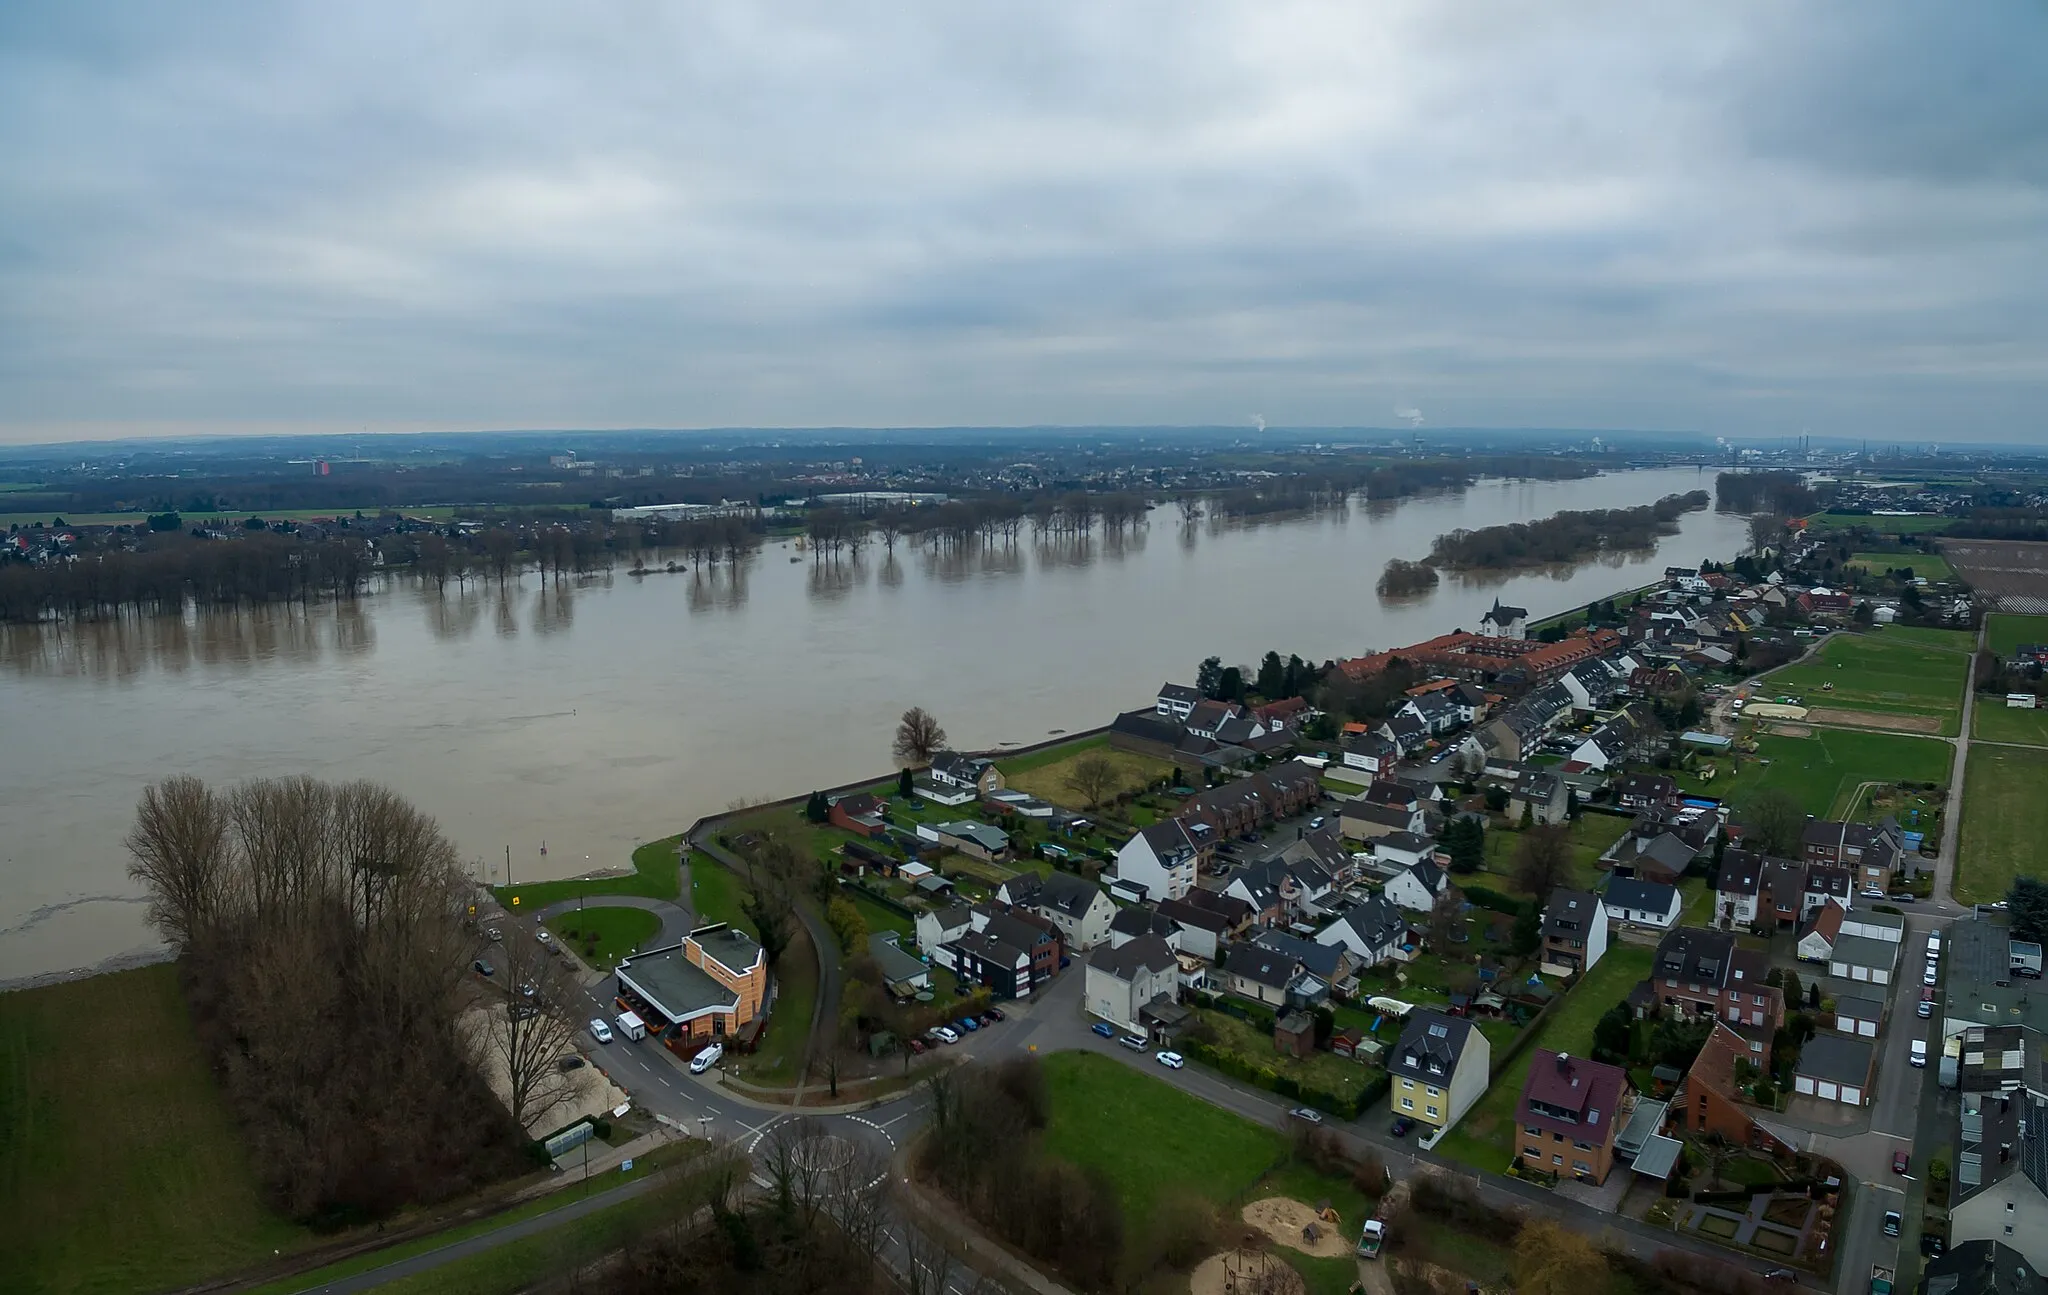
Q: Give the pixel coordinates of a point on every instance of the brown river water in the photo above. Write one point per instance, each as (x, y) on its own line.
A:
(593, 716)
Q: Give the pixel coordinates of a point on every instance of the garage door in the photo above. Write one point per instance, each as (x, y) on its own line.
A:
(1881, 977)
(1852, 1094)
(1803, 1084)
(1861, 973)
(1868, 1029)
(1827, 1090)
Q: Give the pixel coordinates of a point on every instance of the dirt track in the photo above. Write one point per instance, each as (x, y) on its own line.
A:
(1874, 719)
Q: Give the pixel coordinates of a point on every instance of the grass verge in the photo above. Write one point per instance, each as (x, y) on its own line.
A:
(120, 1165)
(655, 874)
(601, 936)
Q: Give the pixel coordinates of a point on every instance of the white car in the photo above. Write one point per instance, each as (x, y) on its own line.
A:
(706, 1059)
(1919, 1057)
(1171, 1060)
(947, 1034)
(543, 936)
(1933, 974)
(1934, 944)
(1873, 892)
(600, 1031)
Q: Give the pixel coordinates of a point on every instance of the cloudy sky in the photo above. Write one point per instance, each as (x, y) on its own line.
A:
(1740, 219)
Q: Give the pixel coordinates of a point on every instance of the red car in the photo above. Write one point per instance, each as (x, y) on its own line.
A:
(1899, 1162)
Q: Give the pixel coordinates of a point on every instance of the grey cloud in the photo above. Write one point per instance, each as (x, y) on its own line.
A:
(1736, 219)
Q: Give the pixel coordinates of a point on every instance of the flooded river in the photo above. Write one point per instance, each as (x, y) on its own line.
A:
(597, 715)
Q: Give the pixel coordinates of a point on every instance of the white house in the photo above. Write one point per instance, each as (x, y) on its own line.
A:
(1375, 932)
(1370, 752)
(941, 926)
(1161, 860)
(1418, 887)
(1122, 981)
(1177, 699)
(1402, 849)
(1643, 903)
(1504, 622)
(1574, 932)
(1817, 939)
(1081, 909)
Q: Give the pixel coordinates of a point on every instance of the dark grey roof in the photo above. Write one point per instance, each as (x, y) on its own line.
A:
(1207, 909)
(673, 985)
(1430, 1046)
(1982, 1268)
(1168, 840)
(1426, 872)
(1254, 962)
(1378, 921)
(1648, 896)
(896, 962)
(1016, 932)
(1405, 841)
(1571, 913)
(1148, 726)
(1693, 954)
(1385, 815)
(1862, 951)
(1740, 873)
(1179, 692)
(1146, 953)
(1320, 959)
(1139, 920)
(991, 948)
(1861, 1009)
(1069, 894)
(1836, 1058)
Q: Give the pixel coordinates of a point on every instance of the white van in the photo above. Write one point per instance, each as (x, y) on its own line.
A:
(1920, 1053)
(631, 1026)
(706, 1059)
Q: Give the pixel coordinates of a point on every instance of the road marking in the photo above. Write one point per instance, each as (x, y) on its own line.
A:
(665, 1083)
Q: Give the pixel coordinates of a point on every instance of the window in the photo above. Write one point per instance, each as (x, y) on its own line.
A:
(1582, 1166)
(1432, 1112)
(1433, 1091)
(1593, 1116)
(1582, 1146)
(1407, 1103)
(1532, 1130)
(1759, 999)
(1557, 1160)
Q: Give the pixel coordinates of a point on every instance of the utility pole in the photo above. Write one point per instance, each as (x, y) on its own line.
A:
(508, 865)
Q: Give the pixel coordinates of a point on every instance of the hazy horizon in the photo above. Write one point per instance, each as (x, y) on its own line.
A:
(1742, 221)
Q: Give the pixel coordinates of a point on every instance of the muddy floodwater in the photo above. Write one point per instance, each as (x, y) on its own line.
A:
(595, 715)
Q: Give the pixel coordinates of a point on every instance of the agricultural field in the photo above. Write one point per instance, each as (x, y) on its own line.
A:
(1824, 768)
(1912, 524)
(437, 512)
(2005, 817)
(2005, 631)
(1994, 721)
(121, 1168)
(2012, 572)
(1927, 566)
(1906, 681)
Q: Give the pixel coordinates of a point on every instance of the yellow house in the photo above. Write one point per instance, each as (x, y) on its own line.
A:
(1438, 1069)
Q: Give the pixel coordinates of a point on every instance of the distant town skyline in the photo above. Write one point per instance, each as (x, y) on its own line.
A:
(1741, 221)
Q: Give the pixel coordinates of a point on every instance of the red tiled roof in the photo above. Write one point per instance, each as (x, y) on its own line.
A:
(1573, 1084)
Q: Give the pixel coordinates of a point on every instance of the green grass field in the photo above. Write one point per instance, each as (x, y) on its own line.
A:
(121, 1168)
(1913, 673)
(1016, 764)
(1994, 721)
(2005, 819)
(1928, 566)
(1824, 771)
(2006, 631)
(655, 874)
(1150, 1138)
(436, 512)
(1049, 781)
(1484, 1139)
(1914, 525)
(781, 1053)
(610, 933)
(1590, 837)
(715, 892)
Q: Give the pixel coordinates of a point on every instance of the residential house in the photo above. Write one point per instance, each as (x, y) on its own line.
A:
(1817, 938)
(1208, 716)
(1364, 820)
(1261, 974)
(1375, 931)
(1437, 713)
(1397, 850)
(1080, 909)
(1542, 796)
(1574, 933)
(1177, 699)
(1021, 928)
(1282, 889)
(1857, 958)
(1370, 752)
(1439, 1068)
(1321, 852)
(1417, 888)
(1147, 733)
(975, 840)
(1708, 1100)
(1569, 1115)
(1245, 804)
(1662, 858)
(1873, 851)
(1984, 1267)
(861, 814)
(898, 965)
(1504, 622)
(1648, 904)
(1858, 1017)
(1408, 734)
(1163, 860)
(1207, 920)
(1737, 884)
(1328, 966)
(974, 773)
(1611, 743)
(940, 926)
(983, 958)
(1835, 1068)
(1638, 791)
(1123, 980)
(2000, 1185)
(1702, 974)
(1137, 920)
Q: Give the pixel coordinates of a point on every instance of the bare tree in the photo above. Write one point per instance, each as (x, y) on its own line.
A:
(860, 1188)
(918, 738)
(1543, 861)
(180, 854)
(928, 1264)
(1444, 923)
(1093, 777)
(531, 1030)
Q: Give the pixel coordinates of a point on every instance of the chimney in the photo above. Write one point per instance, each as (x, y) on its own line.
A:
(1564, 1063)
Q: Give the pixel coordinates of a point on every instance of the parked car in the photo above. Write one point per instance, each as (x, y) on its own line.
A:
(917, 1048)
(1401, 1126)
(967, 1025)
(1891, 1223)
(1104, 1028)
(601, 1031)
(1919, 1057)
(1307, 1114)
(484, 968)
(1931, 975)
(542, 935)
(1171, 1060)
(706, 1059)
(570, 1063)
(1316, 824)
(1933, 943)
(527, 989)
(1926, 1004)
(994, 1014)
(1900, 1162)
(1932, 1245)
(945, 1035)
(1135, 1042)
(1873, 892)
(493, 933)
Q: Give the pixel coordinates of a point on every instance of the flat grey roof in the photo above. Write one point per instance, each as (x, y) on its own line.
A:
(1658, 1156)
(674, 987)
(732, 947)
(1643, 1123)
(1862, 951)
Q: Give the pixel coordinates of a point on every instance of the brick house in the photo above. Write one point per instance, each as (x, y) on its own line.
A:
(1569, 1115)
(1702, 974)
